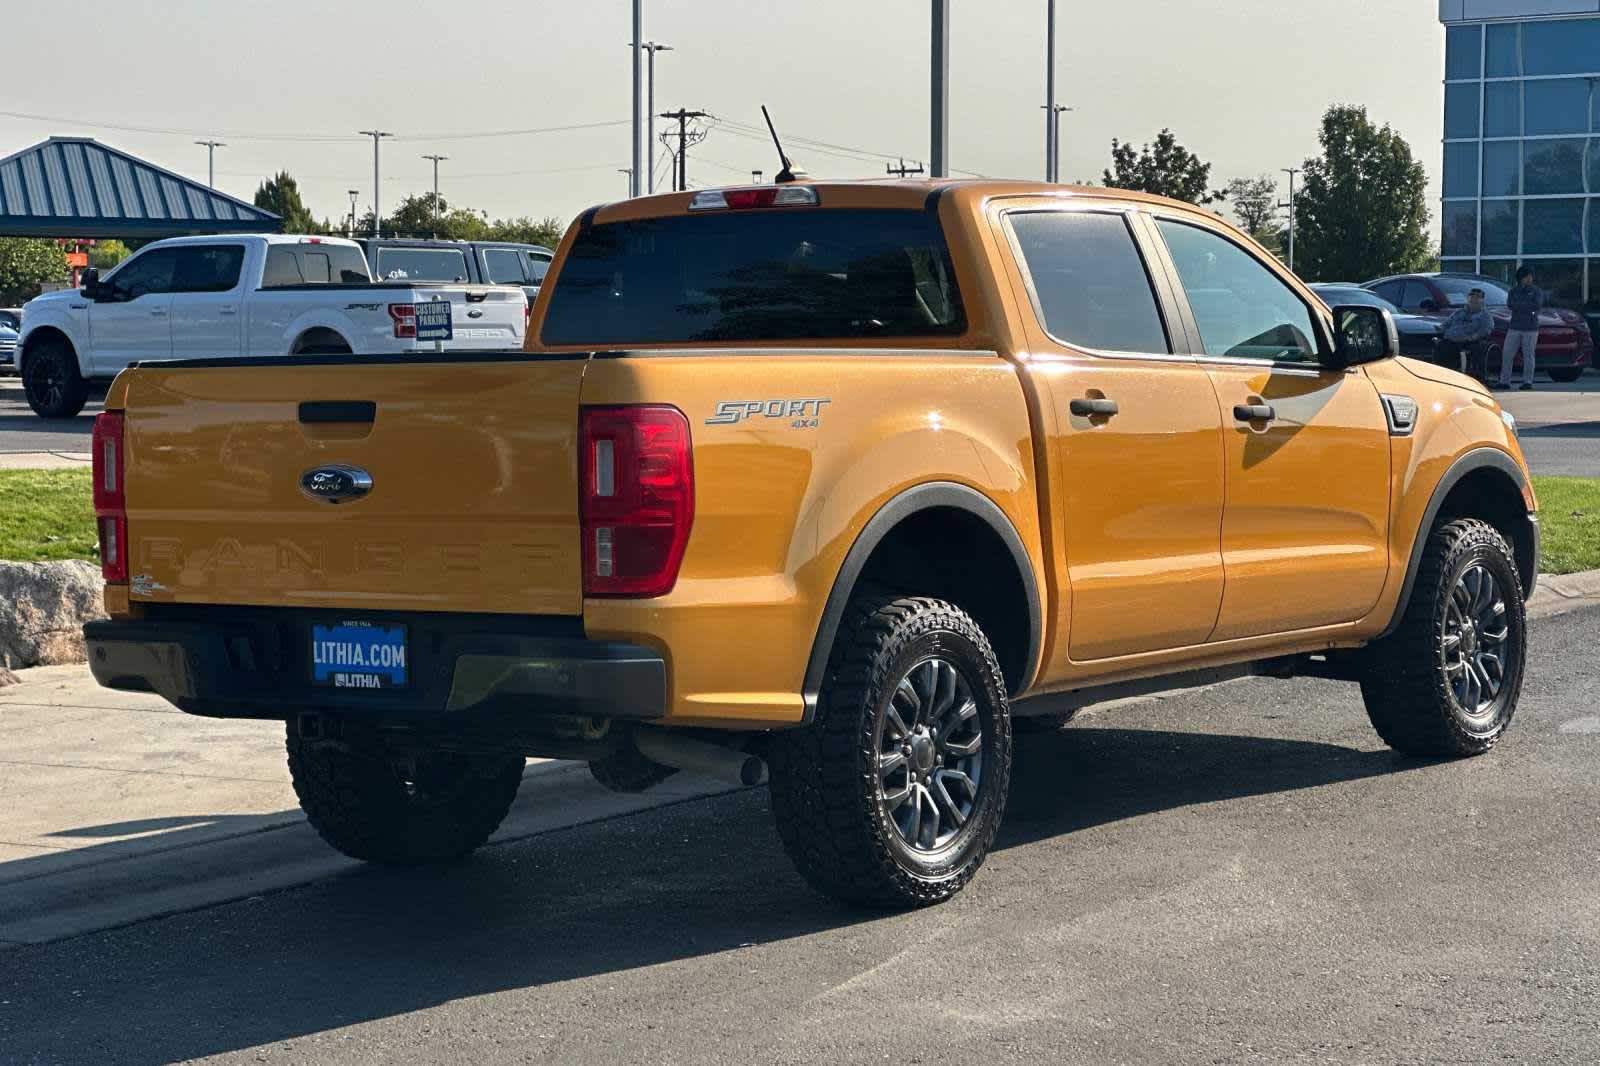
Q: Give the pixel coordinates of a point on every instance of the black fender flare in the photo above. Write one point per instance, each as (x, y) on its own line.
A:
(1472, 461)
(929, 496)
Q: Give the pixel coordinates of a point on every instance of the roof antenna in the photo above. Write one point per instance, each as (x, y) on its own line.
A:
(790, 172)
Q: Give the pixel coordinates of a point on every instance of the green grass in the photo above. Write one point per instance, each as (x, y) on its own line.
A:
(1569, 510)
(48, 514)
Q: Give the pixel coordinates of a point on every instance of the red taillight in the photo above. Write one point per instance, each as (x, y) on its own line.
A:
(637, 499)
(404, 317)
(110, 500)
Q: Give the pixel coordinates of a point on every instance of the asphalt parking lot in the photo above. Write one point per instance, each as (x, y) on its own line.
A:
(1561, 426)
(1237, 875)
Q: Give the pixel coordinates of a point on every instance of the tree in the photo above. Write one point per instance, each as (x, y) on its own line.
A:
(280, 194)
(547, 231)
(1255, 202)
(418, 217)
(1165, 168)
(26, 264)
(1363, 210)
(107, 254)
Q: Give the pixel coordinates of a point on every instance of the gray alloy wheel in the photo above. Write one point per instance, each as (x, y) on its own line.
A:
(1474, 648)
(930, 755)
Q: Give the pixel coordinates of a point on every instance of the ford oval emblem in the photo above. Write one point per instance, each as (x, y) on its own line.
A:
(336, 484)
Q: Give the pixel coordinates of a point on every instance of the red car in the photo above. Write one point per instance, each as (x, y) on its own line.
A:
(1566, 347)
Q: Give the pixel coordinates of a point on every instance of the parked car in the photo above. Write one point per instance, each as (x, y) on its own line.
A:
(1566, 347)
(821, 479)
(10, 331)
(227, 297)
(480, 262)
(1418, 333)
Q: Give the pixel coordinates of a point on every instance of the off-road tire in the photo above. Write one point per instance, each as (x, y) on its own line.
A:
(356, 796)
(1405, 685)
(626, 770)
(826, 786)
(51, 382)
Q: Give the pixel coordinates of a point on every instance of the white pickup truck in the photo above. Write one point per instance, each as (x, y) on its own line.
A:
(232, 296)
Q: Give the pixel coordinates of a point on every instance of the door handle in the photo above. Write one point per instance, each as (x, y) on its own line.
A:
(1254, 412)
(1085, 408)
(158, 311)
(227, 309)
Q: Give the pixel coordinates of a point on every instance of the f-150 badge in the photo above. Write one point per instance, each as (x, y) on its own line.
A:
(800, 414)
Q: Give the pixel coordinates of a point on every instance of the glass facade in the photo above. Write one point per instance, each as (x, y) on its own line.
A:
(1521, 160)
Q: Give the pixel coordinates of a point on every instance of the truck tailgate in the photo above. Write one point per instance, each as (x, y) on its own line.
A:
(483, 318)
(473, 504)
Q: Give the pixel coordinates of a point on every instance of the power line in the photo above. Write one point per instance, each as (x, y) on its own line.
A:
(684, 140)
(306, 138)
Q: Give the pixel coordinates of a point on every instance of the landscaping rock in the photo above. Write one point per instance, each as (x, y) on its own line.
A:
(42, 610)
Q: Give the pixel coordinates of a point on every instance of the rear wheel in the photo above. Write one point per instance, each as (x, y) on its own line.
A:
(51, 382)
(894, 797)
(381, 806)
(1446, 682)
(1566, 374)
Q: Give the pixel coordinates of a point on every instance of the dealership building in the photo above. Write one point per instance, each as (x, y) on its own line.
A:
(1522, 141)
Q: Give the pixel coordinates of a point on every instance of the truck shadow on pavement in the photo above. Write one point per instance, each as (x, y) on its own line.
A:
(690, 881)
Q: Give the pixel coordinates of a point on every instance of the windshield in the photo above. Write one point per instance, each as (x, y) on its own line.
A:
(1455, 290)
(1355, 296)
(774, 275)
(421, 264)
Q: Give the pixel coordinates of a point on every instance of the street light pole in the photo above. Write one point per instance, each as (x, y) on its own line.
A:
(211, 161)
(629, 172)
(377, 215)
(638, 40)
(650, 115)
(1052, 164)
(353, 194)
(437, 159)
(939, 133)
(1050, 157)
(1291, 171)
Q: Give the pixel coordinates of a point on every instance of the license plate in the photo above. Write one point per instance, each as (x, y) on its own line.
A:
(358, 655)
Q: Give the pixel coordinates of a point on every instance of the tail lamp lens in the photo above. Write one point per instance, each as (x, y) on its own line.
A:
(637, 499)
(110, 501)
(404, 317)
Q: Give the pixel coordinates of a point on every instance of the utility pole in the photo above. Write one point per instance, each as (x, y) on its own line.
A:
(211, 160)
(683, 118)
(1291, 171)
(939, 134)
(636, 171)
(902, 170)
(376, 135)
(353, 194)
(437, 159)
(650, 114)
(1052, 165)
(1050, 156)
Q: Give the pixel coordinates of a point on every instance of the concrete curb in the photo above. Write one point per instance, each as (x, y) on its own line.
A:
(45, 460)
(1567, 592)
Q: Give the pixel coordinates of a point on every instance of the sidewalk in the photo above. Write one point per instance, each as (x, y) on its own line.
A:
(118, 807)
(44, 460)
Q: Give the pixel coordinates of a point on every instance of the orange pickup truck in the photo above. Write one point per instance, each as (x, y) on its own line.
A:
(827, 482)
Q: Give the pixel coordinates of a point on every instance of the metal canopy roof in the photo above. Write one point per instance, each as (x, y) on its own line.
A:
(77, 187)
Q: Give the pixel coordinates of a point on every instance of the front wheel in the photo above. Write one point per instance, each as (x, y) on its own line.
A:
(894, 797)
(51, 382)
(1566, 374)
(1446, 682)
(401, 809)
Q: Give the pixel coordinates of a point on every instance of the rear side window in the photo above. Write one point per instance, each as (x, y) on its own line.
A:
(208, 268)
(538, 266)
(503, 266)
(773, 275)
(1089, 280)
(282, 267)
(421, 264)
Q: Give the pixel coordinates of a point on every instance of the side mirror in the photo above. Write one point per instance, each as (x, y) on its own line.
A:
(93, 288)
(1363, 334)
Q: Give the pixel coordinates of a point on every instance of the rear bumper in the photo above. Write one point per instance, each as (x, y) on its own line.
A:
(257, 665)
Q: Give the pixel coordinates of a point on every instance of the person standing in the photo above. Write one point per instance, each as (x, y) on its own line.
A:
(1464, 333)
(1525, 301)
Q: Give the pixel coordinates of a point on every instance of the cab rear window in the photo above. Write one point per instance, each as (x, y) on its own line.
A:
(771, 275)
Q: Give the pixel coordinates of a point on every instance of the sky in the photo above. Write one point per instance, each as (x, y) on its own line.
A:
(288, 84)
